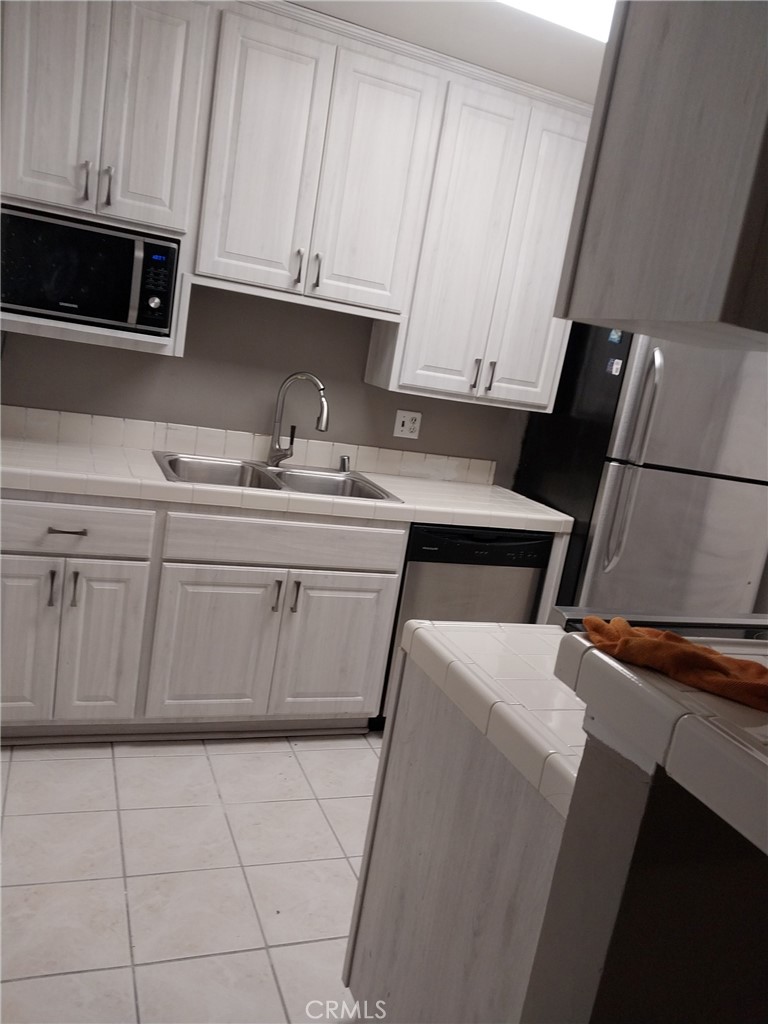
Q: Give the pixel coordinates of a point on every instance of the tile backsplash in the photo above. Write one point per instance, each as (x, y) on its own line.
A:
(45, 425)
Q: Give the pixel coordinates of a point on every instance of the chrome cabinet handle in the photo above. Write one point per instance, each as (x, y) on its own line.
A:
(75, 578)
(276, 605)
(490, 379)
(52, 577)
(319, 257)
(71, 533)
(300, 254)
(478, 364)
(295, 605)
(109, 171)
(87, 164)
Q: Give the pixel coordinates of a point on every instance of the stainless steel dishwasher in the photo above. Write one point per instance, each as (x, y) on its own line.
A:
(468, 574)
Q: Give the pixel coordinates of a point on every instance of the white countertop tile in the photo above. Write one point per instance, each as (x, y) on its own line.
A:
(88, 459)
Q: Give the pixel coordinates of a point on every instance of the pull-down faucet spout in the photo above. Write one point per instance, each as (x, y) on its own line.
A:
(276, 453)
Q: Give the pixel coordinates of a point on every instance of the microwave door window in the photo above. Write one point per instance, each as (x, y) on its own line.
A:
(68, 272)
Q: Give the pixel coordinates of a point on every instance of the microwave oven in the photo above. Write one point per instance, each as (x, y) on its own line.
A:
(60, 268)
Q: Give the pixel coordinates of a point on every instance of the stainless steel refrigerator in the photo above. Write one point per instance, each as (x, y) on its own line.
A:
(660, 452)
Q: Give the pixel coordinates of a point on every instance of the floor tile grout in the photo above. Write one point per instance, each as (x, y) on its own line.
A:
(283, 1001)
(125, 891)
(213, 756)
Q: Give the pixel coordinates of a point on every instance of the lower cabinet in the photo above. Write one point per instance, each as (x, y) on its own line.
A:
(233, 641)
(71, 637)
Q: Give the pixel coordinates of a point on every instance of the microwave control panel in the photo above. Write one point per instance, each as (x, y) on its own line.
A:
(158, 274)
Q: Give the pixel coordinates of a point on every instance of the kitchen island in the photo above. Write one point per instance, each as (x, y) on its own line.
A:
(520, 867)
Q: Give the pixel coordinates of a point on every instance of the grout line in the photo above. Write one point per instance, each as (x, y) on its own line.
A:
(330, 823)
(125, 888)
(283, 1002)
(171, 807)
(178, 871)
(177, 959)
(6, 780)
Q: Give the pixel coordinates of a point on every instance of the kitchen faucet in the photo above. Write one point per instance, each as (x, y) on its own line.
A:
(276, 453)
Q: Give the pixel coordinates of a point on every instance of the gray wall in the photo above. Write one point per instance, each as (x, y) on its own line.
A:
(238, 350)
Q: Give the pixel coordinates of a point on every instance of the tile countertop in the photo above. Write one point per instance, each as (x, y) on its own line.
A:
(110, 471)
(717, 749)
(536, 692)
(501, 676)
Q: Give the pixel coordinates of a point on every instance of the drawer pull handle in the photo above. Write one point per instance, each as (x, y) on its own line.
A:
(493, 373)
(319, 257)
(300, 254)
(75, 578)
(52, 577)
(295, 605)
(276, 605)
(71, 533)
(478, 364)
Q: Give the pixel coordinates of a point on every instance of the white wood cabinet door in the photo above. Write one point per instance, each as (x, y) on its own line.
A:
(526, 343)
(215, 639)
(268, 129)
(31, 608)
(152, 111)
(54, 69)
(333, 643)
(468, 223)
(102, 624)
(376, 174)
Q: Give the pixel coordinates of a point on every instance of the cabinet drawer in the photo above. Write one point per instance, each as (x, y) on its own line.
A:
(254, 541)
(84, 530)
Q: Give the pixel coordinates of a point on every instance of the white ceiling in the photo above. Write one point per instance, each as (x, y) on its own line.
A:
(492, 35)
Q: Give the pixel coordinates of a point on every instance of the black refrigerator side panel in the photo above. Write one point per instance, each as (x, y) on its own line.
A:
(563, 452)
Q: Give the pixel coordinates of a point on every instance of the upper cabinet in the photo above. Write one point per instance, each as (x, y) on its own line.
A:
(101, 104)
(319, 164)
(670, 235)
(481, 326)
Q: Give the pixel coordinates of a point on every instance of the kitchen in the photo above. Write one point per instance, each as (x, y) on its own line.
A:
(83, 406)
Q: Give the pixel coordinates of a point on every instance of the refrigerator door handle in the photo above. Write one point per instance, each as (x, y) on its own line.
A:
(622, 513)
(651, 384)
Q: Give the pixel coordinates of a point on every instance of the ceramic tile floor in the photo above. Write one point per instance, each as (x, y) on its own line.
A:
(189, 882)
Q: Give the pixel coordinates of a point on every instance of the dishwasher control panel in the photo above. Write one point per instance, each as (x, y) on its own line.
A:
(479, 546)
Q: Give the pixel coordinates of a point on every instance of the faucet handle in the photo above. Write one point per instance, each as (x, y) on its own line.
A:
(292, 435)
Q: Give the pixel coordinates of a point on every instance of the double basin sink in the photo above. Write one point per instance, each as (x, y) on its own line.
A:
(199, 469)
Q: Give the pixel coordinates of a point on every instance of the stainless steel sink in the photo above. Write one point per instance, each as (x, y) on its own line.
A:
(332, 482)
(200, 469)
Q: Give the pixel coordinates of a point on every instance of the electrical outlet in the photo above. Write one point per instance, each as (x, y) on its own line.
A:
(407, 424)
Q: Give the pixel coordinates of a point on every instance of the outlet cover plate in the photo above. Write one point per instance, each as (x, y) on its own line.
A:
(407, 424)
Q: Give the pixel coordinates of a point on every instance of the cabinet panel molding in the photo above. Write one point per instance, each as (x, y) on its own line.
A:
(31, 608)
(102, 621)
(215, 640)
(267, 135)
(381, 145)
(479, 159)
(334, 642)
(54, 72)
(525, 340)
(152, 110)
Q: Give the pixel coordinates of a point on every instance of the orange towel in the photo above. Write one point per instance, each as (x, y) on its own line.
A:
(693, 664)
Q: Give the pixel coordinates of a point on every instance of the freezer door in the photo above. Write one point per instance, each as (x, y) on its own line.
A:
(694, 406)
(667, 543)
